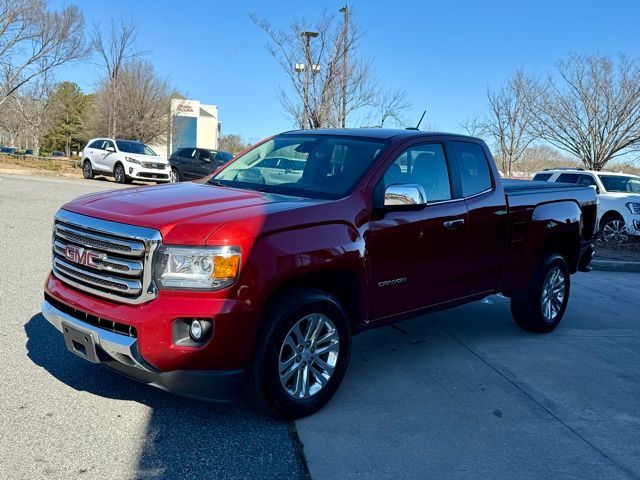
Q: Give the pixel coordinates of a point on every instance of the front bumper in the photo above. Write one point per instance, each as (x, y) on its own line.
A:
(148, 174)
(120, 352)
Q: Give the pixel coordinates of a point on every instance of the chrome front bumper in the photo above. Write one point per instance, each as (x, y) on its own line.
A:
(121, 348)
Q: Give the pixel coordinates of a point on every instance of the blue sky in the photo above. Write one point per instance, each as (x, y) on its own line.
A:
(443, 54)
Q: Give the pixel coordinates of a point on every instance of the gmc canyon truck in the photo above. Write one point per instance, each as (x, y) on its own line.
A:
(245, 281)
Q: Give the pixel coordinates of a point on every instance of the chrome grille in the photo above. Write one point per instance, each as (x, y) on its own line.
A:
(107, 259)
(156, 166)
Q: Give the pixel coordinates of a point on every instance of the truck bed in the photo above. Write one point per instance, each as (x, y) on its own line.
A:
(516, 187)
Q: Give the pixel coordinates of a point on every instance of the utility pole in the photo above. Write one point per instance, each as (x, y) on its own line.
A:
(308, 70)
(345, 64)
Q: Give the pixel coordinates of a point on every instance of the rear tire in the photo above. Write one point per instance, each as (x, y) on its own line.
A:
(87, 170)
(541, 306)
(301, 354)
(118, 174)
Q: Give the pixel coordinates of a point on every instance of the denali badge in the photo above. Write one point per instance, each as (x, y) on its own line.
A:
(395, 281)
(84, 257)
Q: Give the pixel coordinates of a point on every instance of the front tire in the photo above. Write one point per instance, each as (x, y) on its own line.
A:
(174, 176)
(87, 170)
(119, 175)
(301, 354)
(614, 230)
(541, 306)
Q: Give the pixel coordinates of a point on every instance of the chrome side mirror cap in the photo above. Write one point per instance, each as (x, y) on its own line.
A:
(405, 195)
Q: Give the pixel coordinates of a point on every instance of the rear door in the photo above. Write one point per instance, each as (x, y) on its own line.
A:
(97, 153)
(204, 164)
(487, 218)
(417, 257)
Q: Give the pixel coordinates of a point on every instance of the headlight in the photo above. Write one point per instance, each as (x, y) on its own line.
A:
(634, 207)
(209, 268)
(132, 160)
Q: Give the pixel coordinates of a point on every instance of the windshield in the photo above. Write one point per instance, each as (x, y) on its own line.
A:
(128, 146)
(620, 183)
(322, 166)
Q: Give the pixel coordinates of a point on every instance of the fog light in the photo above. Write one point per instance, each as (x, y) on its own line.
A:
(195, 331)
(130, 170)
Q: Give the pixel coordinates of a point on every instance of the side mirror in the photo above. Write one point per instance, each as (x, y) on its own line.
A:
(110, 149)
(405, 196)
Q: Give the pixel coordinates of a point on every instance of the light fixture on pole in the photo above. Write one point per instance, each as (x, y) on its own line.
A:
(307, 66)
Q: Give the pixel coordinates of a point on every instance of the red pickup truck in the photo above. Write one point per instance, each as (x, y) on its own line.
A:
(258, 275)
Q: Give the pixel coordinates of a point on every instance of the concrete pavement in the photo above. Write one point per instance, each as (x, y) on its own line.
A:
(466, 394)
(64, 418)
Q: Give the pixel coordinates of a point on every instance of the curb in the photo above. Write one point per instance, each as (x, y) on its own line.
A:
(615, 266)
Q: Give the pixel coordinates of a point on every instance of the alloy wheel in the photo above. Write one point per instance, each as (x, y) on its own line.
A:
(308, 356)
(553, 292)
(119, 174)
(615, 231)
(173, 176)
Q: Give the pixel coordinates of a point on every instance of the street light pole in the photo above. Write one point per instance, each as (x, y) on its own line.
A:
(307, 68)
(345, 66)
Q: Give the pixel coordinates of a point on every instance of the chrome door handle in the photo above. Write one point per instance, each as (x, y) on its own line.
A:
(453, 224)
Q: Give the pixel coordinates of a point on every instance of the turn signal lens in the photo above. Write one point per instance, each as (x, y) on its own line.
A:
(226, 266)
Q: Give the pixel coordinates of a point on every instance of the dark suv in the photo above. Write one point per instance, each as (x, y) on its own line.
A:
(192, 163)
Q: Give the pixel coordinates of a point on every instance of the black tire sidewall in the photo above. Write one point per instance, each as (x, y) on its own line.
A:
(528, 313)
(280, 319)
(123, 179)
(86, 175)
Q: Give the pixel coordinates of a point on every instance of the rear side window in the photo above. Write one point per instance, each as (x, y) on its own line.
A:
(542, 177)
(587, 181)
(187, 153)
(568, 178)
(97, 144)
(474, 168)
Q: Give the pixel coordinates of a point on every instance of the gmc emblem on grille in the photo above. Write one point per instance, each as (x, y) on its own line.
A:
(84, 257)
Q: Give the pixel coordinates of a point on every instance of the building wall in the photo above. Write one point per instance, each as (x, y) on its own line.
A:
(193, 124)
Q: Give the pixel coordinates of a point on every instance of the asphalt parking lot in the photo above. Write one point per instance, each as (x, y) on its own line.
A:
(457, 394)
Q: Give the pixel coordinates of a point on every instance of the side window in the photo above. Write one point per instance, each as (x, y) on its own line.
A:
(97, 144)
(586, 181)
(542, 177)
(424, 165)
(568, 178)
(189, 153)
(268, 163)
(204, 155)
(474, 168)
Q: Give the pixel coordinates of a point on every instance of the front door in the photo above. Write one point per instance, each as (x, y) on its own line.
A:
(416, 256)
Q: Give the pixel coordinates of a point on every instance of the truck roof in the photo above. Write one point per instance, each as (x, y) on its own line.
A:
(383, 133)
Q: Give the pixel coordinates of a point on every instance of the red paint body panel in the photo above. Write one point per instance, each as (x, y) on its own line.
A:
(285, 238)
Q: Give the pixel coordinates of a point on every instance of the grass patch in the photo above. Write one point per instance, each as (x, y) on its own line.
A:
(50, 165)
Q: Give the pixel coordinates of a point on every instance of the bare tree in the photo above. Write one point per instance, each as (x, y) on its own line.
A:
(233, 143)
(33, 105)
(327, 81)
(114, 48)
(142, 106)
(34, 41)
(509, 120)
(11, 122)
(591, 108)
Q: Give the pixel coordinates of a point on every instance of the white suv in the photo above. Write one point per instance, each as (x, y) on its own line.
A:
(618, 198)
(126, 160)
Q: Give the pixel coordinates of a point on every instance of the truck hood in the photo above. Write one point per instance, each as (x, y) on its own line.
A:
(184, 213)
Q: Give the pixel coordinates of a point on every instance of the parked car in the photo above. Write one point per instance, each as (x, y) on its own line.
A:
(276, 170)
(199, 288)
(618, 196)
(8, 150)
(126, 160)
(57, 154)
(28, 152)
(193, 163)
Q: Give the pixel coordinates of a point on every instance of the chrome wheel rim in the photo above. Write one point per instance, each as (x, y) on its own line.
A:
(553, 291)
(87, 169)
(615, 231)
(173, 177)
(119, 174)
(308, 356)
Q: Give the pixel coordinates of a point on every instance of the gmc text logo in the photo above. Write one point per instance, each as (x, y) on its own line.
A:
(83, 257)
